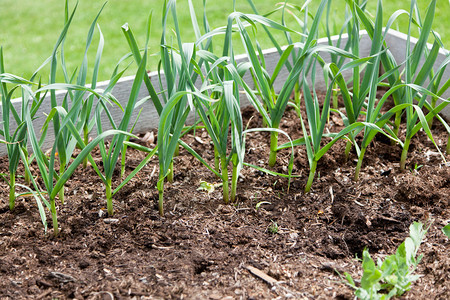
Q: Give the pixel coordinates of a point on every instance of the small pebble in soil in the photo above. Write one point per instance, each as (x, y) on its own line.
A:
(101, 213)
(143, 280)
(111, 221)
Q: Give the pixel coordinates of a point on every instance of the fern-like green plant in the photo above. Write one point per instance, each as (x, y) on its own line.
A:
(394, 275)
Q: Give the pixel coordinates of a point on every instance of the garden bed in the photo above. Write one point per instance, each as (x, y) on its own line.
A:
(203, 249)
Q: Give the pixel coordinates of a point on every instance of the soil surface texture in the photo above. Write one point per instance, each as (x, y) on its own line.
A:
(274, 243)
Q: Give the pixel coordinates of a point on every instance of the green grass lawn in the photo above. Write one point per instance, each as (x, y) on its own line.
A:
(29, 29)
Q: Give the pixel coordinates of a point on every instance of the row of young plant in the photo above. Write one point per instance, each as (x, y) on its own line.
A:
(194, 78)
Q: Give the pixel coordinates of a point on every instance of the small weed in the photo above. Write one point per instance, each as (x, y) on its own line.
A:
(446, 230)
(256, 196)
(258, 205)
(394, 275)
(273, 227)
(206, 186)
(416, 168)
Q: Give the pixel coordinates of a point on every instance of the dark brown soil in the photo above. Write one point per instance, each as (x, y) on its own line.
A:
(202, 248)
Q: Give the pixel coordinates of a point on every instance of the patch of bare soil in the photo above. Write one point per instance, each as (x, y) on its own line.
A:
(203, 249)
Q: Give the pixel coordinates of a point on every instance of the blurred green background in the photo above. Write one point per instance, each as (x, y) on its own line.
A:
(29, 29)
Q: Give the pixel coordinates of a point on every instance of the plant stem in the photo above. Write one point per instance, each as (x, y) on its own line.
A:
(109, 203)
(12, 190)
(160, 186)
(177, 151)
(123, 159)
(54, 216)
(170, 175)
(86, 141)
(61, 191)
(335, 97)
(312, 173)
(223, 161)
(398, 117)
(26, 176)
(216, 160)
(273, 148)
(61, 195)
(433, 105)
(122, 162)
(297, 94)
(348, 148)
(234, 177)
(359, 164)
(404, 153)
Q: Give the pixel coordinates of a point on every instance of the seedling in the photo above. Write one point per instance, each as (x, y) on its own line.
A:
(78, 108)
(446, 230)
(258, 205)
(206, 186)
(415, 169)
(16, 141)
(180, 71)
(116, 147)
(273, 227)
(394, 275)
